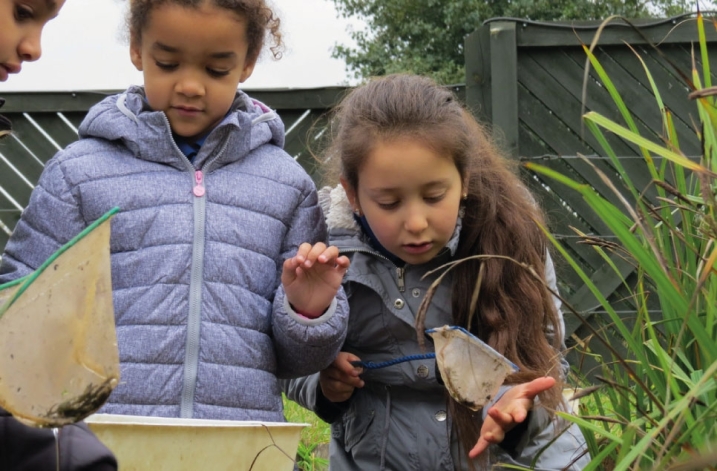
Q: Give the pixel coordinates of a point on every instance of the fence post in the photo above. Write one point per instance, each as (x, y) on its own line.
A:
(492, 80)
(504, 67)
(478, 74)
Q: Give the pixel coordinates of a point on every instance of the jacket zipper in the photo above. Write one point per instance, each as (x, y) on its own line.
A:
(191, 358)
(400, 271)
(198, 189)
(399, 275)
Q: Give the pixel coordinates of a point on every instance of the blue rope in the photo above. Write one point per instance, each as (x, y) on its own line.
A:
(369, 365)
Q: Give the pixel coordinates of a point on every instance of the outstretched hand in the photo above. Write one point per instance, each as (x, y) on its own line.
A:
(312, 277)
(511, 409)
(339, 379)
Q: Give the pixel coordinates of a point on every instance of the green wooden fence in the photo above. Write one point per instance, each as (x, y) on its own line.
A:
(528, 80)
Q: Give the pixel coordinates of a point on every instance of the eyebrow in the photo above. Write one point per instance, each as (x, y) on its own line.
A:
(167, 48)
(427, 186)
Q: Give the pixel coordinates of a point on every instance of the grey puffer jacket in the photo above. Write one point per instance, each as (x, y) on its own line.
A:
(203, 326)
(399, 419)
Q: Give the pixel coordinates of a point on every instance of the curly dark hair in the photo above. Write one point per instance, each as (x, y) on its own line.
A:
(261, 21)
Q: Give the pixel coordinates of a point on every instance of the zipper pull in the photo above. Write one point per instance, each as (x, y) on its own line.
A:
(399, 274)
(198, 189)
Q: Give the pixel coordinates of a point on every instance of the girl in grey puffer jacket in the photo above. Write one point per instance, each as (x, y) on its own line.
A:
(422, 186)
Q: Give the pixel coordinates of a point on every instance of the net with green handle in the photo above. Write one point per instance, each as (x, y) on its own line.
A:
(58, 348)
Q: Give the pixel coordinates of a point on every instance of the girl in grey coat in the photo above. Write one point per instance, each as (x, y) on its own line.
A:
(222, 283)
(421, 186)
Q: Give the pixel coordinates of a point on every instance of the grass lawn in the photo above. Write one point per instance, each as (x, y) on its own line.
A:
(313, 447)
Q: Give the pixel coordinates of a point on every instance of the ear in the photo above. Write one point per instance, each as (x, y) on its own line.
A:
(135, 54)
(246, 72)
(464, 185)
(351, 193)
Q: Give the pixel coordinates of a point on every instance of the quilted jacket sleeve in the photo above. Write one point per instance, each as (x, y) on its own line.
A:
(305, 346)
(50, 220)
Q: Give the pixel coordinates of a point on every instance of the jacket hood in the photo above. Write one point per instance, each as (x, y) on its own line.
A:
(146, 133)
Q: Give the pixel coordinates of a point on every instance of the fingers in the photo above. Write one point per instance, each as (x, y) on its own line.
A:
(493, 431)
(538, 386)
(503, 418)
(339, 380)
(511, 409)
(307, 255)
(509, 416)
(479, 448)
(343, 364)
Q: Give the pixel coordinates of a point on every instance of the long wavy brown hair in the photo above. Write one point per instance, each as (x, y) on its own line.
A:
(514, 312)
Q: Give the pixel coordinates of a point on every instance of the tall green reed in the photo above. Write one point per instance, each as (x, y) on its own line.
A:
(657, 407)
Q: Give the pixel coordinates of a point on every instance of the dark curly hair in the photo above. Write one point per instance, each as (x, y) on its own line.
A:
(261, 21)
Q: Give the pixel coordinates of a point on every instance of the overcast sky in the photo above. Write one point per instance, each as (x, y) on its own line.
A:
(84, 49)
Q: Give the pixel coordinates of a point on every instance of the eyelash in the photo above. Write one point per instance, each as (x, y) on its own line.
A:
(23, 13)
(217, 73)
(166, 67)
(428, 199)
(212, 72)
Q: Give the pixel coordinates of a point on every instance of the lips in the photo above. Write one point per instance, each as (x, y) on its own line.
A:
(418, 248)
(188, 109)
(6, 69)
(12, 68)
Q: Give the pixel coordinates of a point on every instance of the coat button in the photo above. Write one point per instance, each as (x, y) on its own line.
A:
(416, 293)
(441, 416)
(398, 303)
(422, 371)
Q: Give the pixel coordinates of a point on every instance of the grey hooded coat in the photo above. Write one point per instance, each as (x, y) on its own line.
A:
(203, 326)
(399, 419)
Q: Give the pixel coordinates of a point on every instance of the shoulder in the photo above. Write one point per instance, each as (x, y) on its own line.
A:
(271, 162)
(87, 150)
(85, 159)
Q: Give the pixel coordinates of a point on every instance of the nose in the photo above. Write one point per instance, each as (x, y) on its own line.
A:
(416, 220)
(30, 48)
(190, 86)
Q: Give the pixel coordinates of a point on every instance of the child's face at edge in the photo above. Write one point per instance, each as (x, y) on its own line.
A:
(192, 60)
(410, 196)
(21, 24)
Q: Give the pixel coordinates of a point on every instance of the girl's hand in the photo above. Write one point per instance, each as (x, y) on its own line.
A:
(312, 277)
(511, 409)
(339, 379)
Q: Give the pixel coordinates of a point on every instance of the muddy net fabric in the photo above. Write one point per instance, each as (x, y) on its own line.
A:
(471, 370)
(58, 349)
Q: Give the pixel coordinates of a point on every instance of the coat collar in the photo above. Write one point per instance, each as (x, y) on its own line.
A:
(146, 133)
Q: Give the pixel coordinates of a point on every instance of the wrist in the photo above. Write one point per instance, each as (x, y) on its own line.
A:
(306, 313)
